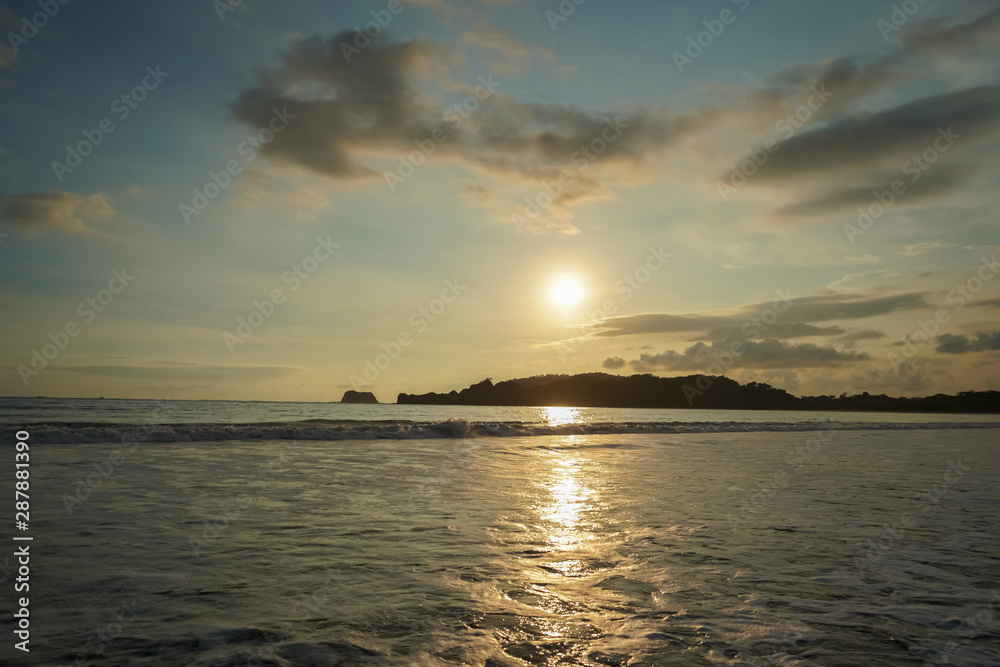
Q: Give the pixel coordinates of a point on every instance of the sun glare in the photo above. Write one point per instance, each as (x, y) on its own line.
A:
(566, 292)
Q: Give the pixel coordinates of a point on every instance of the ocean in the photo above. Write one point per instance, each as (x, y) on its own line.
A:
(298, 534)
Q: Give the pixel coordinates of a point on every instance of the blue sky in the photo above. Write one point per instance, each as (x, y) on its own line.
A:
(905, 305)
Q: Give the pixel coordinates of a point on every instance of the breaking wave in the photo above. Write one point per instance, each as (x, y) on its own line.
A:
(318, 429)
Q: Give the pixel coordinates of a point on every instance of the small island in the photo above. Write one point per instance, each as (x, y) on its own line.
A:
(602, 390)
(351, 396)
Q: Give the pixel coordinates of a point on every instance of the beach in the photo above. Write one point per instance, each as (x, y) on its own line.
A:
(819, 546)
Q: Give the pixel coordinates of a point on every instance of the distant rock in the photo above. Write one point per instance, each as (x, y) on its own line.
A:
(351, 396)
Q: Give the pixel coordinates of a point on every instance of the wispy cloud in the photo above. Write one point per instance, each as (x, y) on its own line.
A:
(58, 211)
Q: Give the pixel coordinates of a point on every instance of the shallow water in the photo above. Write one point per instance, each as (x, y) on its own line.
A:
(731, 548)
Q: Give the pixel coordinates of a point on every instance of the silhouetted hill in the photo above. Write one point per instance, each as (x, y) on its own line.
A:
(693, 391)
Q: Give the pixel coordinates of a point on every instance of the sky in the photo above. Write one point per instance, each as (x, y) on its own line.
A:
(254, 200)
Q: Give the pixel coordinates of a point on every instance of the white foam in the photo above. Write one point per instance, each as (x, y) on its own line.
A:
(68, 432)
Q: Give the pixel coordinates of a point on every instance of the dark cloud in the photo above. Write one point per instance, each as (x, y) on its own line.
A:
(852, 306)
(346, 112)
(951, 344)
(884, 139)
(613, 363)
(764, 354)
(850, 79)
(939, 38)
(932, 183)
(58, 211)
(986, 303)
(367, 102)
(854, 335)
(801, 310)
(846, 79)
(842, 142)
(780, 330)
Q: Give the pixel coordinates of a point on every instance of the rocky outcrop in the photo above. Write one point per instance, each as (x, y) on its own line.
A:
(351, 396)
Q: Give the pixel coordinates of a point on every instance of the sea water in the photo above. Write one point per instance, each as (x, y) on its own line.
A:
(212, 533)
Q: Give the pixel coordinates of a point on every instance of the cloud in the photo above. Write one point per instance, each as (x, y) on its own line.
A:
(135, 192)
(177, 370)
(950, 344)
(448, 11)
(515, 55)
(938, 38)
(853, 306)
(479, 193)
(807, 310)
(851, 147)
(846, 79)
(57, 211)
(852, 336)
(348, 114)
(892, 133)
(339, 106)
(938, 180)
(861, 259)
(985, 303)
(764, 354)
(613, 363)
(257, 191)
(911, 378)
(780, 330)
(917, 249)
(843, 284)
(9, 22)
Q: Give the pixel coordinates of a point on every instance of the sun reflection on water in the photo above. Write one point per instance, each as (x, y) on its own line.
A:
(557, 416)
(568, 499)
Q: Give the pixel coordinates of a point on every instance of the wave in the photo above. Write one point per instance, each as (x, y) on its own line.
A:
(319, 429)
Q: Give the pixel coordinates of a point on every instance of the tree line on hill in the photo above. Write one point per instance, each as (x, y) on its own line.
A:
(694, 391)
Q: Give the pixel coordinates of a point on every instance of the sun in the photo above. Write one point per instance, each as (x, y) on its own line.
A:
(566, 292)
